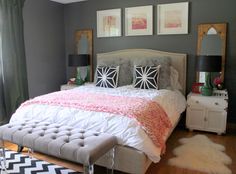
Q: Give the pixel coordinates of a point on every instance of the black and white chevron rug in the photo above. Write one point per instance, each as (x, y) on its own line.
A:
(18, 163)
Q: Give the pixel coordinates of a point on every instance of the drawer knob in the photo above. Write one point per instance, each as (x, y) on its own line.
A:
(216, 103)
(197, 101)
(205, 119)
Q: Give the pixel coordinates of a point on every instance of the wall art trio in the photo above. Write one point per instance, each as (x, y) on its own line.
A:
(171, 19)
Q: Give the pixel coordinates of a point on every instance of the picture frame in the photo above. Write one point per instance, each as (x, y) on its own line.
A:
(172, 18)
(109, 23)
(139, 20)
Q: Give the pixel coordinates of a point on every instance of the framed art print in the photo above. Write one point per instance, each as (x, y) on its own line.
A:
(172, 18)
(109, 23)
(139, 20)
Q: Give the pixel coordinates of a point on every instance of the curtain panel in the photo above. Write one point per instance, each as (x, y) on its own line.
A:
(13, 75)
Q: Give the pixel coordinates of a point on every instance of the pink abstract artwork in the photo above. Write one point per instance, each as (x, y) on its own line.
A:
(139, 22)
(173, 19)
(109, 24)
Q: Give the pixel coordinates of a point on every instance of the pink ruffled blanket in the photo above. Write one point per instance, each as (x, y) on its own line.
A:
(149, 114)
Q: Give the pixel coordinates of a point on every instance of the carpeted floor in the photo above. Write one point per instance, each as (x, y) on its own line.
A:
(22, 164)
(201, 154)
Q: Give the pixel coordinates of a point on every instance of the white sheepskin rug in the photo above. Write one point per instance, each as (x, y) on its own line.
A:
(199, 153)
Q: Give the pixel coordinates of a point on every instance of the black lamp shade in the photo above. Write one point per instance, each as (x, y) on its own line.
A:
(208, 63)
(78, 60)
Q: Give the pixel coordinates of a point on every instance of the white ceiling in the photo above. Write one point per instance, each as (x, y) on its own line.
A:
(67, 1)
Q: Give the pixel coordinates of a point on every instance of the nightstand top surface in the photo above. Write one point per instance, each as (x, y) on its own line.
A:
(72, 85)
(220, 95)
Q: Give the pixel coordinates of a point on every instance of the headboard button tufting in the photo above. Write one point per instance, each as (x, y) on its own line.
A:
(81, 144)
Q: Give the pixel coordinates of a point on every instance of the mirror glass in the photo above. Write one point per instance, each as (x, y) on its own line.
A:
(211, 41)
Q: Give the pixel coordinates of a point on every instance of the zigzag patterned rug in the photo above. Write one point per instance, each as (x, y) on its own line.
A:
(22, 164)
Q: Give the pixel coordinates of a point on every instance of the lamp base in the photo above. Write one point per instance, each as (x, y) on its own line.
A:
(206, 91)
(79, 80)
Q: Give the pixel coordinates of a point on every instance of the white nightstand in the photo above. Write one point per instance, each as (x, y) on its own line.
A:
(207, 113)
(67, 86)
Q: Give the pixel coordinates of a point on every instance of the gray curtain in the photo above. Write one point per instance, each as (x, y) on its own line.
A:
(13, 75)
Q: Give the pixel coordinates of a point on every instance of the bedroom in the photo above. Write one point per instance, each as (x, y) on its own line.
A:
(49, 29)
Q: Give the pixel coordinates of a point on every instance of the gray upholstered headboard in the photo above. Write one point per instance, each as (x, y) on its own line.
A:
(178, 61)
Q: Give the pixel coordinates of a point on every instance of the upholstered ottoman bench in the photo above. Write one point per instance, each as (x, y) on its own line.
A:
(73, 144)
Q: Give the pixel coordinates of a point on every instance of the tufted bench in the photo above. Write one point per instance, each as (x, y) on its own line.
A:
(73, 144)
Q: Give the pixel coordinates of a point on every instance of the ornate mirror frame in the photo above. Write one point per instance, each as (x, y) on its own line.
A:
(84, 45)
(218, 29)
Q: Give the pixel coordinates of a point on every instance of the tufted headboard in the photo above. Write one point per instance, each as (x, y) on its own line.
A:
(127, 56)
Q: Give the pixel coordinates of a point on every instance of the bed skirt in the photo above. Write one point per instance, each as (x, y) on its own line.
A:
(127, 160)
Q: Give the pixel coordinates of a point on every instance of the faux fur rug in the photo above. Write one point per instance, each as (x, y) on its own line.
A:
(201, 154)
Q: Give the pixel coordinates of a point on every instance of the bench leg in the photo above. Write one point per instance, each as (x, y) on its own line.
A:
(112, 159)
(88, 169)
(30, 153)
(20, 148)
(3, 164)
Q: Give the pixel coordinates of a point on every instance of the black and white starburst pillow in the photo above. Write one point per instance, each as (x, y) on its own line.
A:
(107, 76)
(146, 77)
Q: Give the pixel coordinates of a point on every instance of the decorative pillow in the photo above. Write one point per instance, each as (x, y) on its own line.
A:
(125, 68)
(146, 77)
(107, 76)
(165, 62)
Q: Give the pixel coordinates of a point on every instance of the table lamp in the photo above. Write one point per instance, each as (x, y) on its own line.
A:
(208, 64)
(79, 60)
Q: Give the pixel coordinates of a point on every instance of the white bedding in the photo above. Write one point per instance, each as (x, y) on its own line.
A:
(127, 130)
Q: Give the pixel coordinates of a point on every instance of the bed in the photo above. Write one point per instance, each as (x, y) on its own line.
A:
(136, 151)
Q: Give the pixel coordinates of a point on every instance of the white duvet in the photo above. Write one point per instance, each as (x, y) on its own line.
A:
(127, 130)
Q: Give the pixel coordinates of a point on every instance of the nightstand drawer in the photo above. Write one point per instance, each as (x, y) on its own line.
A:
(209, 102)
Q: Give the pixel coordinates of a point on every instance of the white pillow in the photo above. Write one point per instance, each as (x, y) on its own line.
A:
(174, 79)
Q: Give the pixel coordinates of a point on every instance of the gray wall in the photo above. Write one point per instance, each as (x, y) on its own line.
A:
(45, 45)
(83, 16)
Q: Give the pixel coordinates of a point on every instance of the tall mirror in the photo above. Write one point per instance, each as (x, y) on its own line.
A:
(212, 41)
(84, 45)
